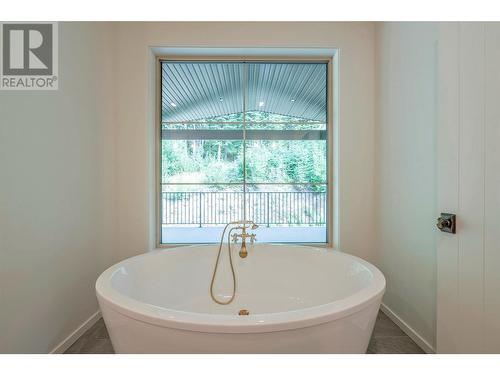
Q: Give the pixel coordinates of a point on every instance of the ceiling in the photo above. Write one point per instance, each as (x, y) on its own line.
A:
(192, 91)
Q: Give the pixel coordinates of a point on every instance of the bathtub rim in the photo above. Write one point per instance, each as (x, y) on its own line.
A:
(121, 303)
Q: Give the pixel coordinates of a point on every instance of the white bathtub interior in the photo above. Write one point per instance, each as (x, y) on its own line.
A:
(179, 281)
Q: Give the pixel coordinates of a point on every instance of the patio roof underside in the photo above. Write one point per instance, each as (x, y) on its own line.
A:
(197, 91)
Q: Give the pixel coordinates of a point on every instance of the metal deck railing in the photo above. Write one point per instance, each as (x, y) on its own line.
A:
(265, 208)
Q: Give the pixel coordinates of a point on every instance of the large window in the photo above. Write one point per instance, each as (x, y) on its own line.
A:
(243, 140)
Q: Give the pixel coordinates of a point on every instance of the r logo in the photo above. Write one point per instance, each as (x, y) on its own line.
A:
(27, 49)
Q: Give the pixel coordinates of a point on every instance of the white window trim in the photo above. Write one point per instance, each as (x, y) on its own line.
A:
(159, 54)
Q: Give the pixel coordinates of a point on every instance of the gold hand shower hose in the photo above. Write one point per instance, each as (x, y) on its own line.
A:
(217, 263)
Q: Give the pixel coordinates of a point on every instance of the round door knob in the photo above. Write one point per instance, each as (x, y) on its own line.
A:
(446, 223)
(443, 223)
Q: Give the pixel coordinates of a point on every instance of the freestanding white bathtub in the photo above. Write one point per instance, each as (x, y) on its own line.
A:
(301, 300)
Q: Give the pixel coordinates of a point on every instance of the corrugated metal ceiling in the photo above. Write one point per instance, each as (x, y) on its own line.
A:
(192, 91)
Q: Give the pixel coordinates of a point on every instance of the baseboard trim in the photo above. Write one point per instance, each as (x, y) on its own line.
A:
(76, 334)
(419, 340)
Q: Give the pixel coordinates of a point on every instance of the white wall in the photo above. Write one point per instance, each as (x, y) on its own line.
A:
(56, 195)
(405, 171)
(134, 117)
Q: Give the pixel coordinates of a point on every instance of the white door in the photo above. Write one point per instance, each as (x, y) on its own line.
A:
(468, 274)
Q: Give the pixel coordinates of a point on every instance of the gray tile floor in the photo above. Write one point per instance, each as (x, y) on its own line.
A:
(387, 338)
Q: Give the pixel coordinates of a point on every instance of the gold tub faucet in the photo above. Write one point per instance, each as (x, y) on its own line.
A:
(244, 235)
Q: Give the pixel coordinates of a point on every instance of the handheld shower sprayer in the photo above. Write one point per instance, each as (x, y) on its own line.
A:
(243, 225)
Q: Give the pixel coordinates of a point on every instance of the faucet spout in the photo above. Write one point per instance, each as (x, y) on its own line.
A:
(243, 251)
(244, 235)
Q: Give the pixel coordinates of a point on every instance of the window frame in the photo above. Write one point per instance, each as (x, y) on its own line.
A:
(254, 59)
